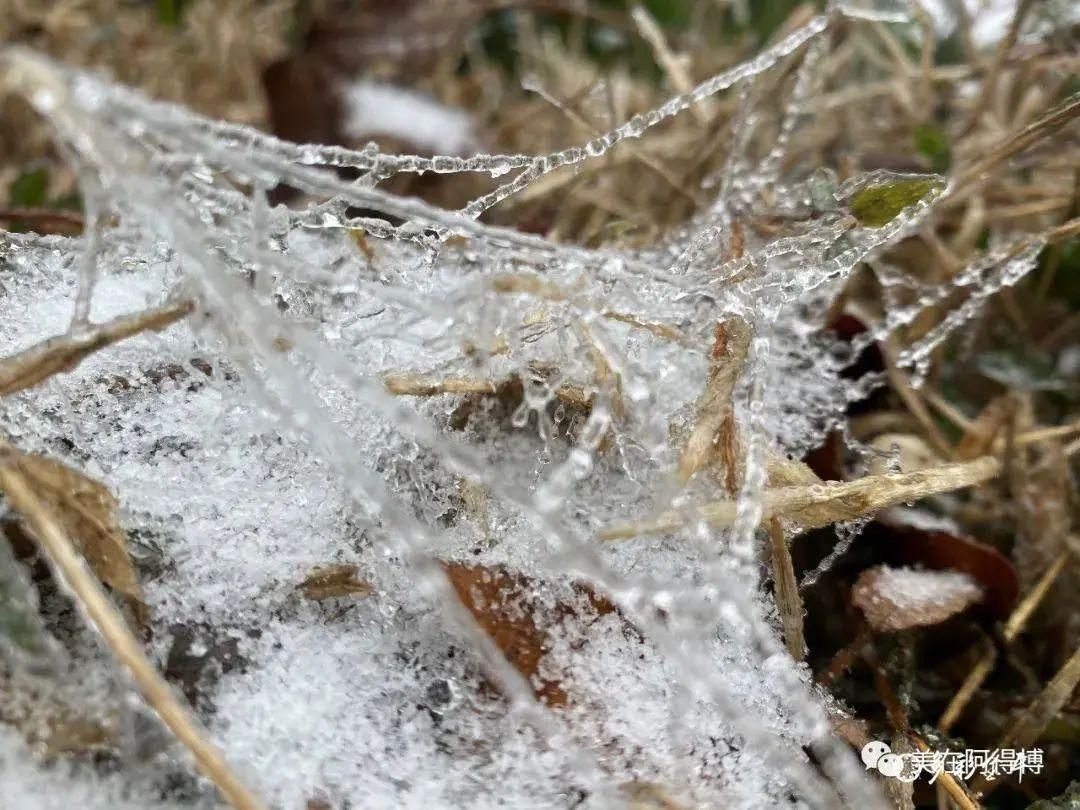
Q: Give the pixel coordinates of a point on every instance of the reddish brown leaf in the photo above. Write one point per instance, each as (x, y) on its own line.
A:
(328, 581)
(504, 605)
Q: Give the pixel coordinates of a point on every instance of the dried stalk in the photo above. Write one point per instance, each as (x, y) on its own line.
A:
(990, 82)
(714, 404)
(60, 354)
(788, 601)
(106, 618)
(1052, 121)
(819, 505)
(672, 65)
(1013, 627)
(414, 385)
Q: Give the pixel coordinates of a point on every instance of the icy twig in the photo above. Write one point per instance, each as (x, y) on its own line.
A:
(526, 284)
(414, 385)
(63, 353)
(821, 504)
(910, 397)
(106, 618)
(661, 330)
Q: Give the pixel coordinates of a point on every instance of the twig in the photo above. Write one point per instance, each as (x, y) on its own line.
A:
(671, 64)
(948, 781)
(846, 657)
(68, 220)
(63, 353)
(818, 505)
(910, 397)
(990, 82)
(1013, 627)
(1038, 715)
(413, 385)
(660, 330)
(1052, 121)
(636, 152)
(786, 591)
(108, 621)
(714, 404)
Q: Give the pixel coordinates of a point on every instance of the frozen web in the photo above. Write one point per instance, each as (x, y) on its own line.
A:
(285, 447)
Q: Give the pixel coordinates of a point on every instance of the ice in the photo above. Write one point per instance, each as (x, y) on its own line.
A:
(257, 440)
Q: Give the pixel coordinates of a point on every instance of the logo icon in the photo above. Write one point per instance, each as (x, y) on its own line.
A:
(876, 754)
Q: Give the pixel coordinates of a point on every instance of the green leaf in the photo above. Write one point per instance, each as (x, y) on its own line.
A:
(23, 637)
(879, 205)
(29, 189)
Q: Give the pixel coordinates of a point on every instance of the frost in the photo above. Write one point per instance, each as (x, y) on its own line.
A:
(455, 391)
(899, 598)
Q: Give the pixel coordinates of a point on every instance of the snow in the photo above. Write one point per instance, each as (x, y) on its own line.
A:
(916, 589)
(422, 122)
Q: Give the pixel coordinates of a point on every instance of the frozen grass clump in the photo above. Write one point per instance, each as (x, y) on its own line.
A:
(443, 418)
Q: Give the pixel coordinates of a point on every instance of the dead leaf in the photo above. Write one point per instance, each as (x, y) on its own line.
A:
(504, 605)
(643, 795)
(894, 599)
(87, 511)
(329, 581)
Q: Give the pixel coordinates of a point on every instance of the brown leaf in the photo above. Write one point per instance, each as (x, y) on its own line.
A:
(643, 795)
(329, 581)
(894, 599)
(87, 511)
(504, 605)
